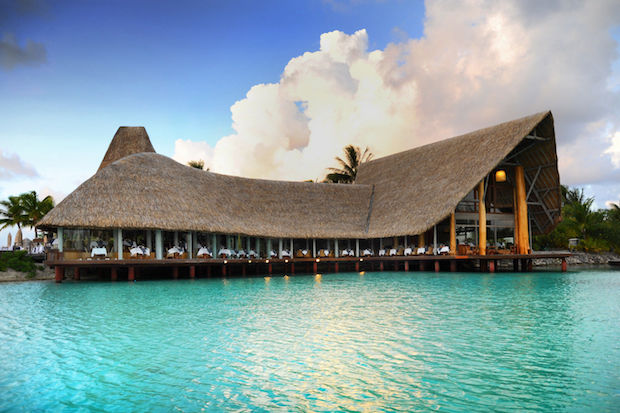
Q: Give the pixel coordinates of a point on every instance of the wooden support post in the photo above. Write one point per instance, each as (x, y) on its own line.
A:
(524, 239)
(422, 266)
(336, 267)
(76, 273)
(58, 273)
(564, 265)
(516, 231)
(421, 241)
(482, 220)
(452, 265)
(209, 271)
(406, 265)
(436, 266)
(380, 265)
(523, 265)
(223, 270)
(529, 265)
(292, 267)
(515, 265)
(113, 274)
(357, 266)
(269, 268)
(483, 265)
(452, 233)
(243, 270)
(492, 266)
(192, 271)
(314, 267)
(131, 274)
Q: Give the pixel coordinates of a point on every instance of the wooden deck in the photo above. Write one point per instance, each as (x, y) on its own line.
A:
(191, 268)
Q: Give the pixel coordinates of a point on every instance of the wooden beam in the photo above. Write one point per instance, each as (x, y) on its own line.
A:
(516, 217)
(524, 242)
(482, 220)
(452, 233)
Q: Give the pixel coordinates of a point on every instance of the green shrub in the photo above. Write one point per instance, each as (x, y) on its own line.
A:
(19, 261)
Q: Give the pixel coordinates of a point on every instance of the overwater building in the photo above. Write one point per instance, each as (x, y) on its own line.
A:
(483, 193)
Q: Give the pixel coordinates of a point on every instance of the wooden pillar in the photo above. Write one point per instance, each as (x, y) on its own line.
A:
(516, 231)
(492, 266)
(175, 272)
(422, 266)
(482, 220)
(515, 265)
(395, 265)
(421, 241)
(269, 268)
(564, 265)
(209, 271)
(223, 270)
(483, 264)
(452, 233)
(357, 247)
(406, 265)
(380, 265)
(452, 265)
(436, 266)
(76, 273)
(524, 239)
(292, 267)
(524, 265)
(529, 265)
(243, 270)
(336, 265)
(113, 274)
(192, 271)
(357, 266)
(58, 273)
(131, 274)
(315, 267)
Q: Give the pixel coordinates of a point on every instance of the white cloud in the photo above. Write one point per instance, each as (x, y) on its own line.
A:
(12, 166)
(479, 63)
(614, 149)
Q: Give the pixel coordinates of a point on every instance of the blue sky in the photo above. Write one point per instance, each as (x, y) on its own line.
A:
(305, 75)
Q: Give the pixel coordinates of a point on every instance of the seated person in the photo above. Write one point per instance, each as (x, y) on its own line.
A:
(367, 253)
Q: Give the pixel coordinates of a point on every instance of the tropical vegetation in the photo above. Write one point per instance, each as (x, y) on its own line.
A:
(24, 210)
(596, 230)
(19, 261)
(347, 171)
(200, 164)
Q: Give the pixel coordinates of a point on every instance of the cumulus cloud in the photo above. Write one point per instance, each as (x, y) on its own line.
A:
(12, 166)
(614, 149)
(12, 54)
(478, 63)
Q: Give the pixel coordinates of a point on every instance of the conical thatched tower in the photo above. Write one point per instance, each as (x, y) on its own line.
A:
(127, 141)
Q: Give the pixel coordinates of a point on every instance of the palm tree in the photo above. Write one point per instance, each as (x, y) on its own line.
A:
(347, 172)
(35, 209)
(12, 212)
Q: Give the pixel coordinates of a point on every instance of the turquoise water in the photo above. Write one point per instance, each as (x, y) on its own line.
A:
(369, 342)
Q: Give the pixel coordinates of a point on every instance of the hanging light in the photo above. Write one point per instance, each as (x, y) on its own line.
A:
(500, 176)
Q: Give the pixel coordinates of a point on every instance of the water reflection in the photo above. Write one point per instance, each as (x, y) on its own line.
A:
(362, 341)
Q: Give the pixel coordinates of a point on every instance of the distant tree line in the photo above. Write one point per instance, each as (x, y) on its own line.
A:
(597, 230)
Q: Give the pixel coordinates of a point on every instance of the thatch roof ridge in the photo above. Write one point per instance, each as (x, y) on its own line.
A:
(126, 141)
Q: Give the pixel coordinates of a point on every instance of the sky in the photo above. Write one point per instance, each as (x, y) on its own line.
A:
(276, 89)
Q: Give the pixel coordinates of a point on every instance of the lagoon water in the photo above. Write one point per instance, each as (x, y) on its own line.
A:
(414, 341)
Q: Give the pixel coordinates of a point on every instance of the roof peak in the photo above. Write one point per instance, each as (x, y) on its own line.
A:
(126, 141)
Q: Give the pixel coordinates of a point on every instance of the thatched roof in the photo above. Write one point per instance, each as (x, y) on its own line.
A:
(127, 141)
(417, 188)
(404, 193)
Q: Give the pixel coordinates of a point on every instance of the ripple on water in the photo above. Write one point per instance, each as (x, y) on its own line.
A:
(371, 342)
